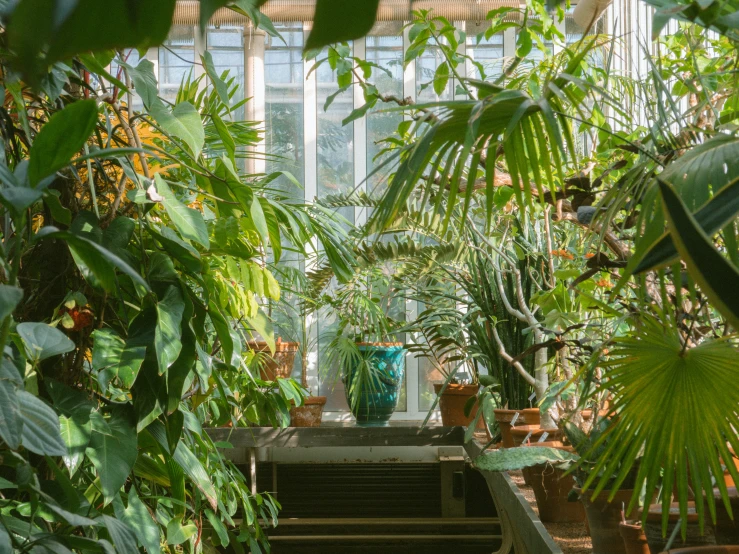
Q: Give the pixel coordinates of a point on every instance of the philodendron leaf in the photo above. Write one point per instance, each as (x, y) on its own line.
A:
(123, 537)
(168, 332)
(113, 453)
(42, 341)
(59, 140)
(10, 420)
(112, 357)
(138, 518)
(76, 435)
(9, 299)
(183, 122)
(511, 459)
(711, 218)
(189, 222)
(717, 277)
(41, 430)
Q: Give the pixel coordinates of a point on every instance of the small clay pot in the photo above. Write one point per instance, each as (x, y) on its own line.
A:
(309, 414)
(635, 541)
(604, 520)
(518, 434)
(503, 418)
(552, 488)
(277, 365)
(694, 537)
(531, 416)
(727, 530)
(452, 402)
(728, 479)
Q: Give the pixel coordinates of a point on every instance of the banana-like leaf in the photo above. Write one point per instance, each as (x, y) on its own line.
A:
(717, 277)
(712, 217)
(677, 409)
(512, 459)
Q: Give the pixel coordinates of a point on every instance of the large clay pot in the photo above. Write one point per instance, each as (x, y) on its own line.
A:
(635, 541)
(277, 365)
(504, 418)
(653, 528)
(534, 433)
(552, 488)
(373, 389)
(604, 519)
(309, 414)
(530, 416)
(452, 402)
(727, 530)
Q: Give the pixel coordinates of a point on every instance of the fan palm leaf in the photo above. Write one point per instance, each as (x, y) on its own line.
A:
(675, 410)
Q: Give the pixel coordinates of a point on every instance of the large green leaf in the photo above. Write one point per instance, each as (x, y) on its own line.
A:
(113, 453)
(9, 299)
(189, 222)
(707, 167)
(61, 138)
(76, 435)
(113, 358)
(42, 341)
(94, 258)
(144, 81)
(718, 212)
(123, 537)
(41, 32)
(168, 331)
(340, 21)
(717, 277)
(512, 459)
(10, 420)
(183, 122)
(675, 411)
(138, 518)
(41, 430)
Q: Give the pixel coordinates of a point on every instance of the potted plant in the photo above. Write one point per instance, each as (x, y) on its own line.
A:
(365, 351)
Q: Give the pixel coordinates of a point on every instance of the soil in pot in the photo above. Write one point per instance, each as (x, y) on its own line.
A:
(277, 365)
(727, 530)
(604, 520)
(452, 402)
(653, 528)
(635, 541)
(309, 414)
(504, 418)
(551, 488)
(373, 389)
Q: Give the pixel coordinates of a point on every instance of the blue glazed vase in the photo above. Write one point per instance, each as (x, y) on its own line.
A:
(373, 384)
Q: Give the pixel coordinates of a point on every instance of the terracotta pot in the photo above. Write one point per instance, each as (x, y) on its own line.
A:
(604, 520)
(277, 365)
(452, 402)
(552, 488)
(530, 416)
(653, 528)
(727, 530)
(309, 414)
(520, 433)
(704, 550)
(504, 418)
(727, 476)
(635, 541)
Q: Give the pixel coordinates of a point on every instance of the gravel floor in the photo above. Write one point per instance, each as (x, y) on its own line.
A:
(572, 538)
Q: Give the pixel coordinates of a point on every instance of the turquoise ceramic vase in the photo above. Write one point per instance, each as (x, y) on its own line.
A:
(373, 385)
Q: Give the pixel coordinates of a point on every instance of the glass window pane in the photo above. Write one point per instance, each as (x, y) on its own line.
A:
(486, 53)
(335, 146)
(176, 60)
(226, 46)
